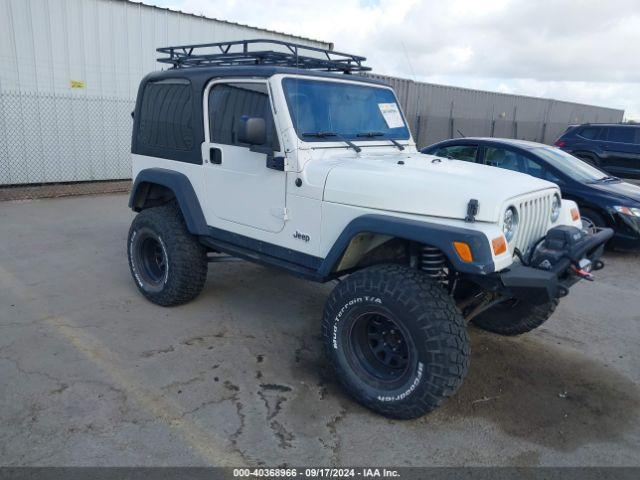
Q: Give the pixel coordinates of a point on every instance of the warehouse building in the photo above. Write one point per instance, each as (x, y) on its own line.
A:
(71, 68)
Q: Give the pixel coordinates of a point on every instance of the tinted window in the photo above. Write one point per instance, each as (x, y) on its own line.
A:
(568, 164)
(621, 134)
(590, 133)
(165, 115)
(228, 102)
(538, 170)
(458, 152)
(503, 158)
(355, 112)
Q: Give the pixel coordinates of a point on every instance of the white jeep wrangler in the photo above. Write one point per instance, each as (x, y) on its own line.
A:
(277, 157)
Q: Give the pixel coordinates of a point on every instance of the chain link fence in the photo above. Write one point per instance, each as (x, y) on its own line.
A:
(55, 145)
(72, 144)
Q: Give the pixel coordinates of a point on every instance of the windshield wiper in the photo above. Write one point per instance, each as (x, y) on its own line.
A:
(381, 134)
(607, 179)
(332, 134)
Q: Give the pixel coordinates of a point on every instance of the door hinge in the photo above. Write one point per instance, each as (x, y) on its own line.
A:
(280, 212)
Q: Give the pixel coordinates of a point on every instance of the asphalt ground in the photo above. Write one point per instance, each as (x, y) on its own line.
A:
(93, 374)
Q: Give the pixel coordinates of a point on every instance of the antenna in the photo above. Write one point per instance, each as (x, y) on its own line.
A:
(419, 96)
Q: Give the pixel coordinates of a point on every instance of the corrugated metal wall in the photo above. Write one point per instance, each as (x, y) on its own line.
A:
(52, 132)
(71, 68)
(438, 112)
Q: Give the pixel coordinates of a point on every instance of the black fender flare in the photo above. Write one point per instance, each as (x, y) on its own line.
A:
(428, 233)
(182, 189)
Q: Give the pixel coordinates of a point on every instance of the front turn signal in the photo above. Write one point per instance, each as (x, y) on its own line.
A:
(464, 251)
(499, 245)
(575, 214)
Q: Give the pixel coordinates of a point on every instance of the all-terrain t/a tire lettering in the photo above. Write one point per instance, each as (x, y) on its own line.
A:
(396, 340)
(168, 264)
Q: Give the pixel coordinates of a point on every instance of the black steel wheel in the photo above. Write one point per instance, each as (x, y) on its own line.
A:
(380, 346)
(151, 256)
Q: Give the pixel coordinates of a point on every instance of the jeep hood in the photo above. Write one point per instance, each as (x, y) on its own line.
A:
(426, 185)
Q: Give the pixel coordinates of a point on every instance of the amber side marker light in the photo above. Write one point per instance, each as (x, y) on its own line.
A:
(499, 245)
(464, 251)
(575, 214)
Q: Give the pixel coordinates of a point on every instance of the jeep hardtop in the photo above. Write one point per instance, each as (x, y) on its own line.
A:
(285, 156)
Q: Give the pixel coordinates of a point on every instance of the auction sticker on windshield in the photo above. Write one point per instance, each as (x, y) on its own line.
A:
(391, 115)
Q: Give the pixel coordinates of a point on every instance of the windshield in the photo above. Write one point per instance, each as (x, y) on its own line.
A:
(334, 111)
(569, 165)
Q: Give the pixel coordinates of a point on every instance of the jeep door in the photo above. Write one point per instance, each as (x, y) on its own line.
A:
(240, 187)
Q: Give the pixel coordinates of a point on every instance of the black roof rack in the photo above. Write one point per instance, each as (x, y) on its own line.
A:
(239, 53)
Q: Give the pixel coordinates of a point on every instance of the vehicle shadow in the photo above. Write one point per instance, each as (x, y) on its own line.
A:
(544, 393)
(528, 387)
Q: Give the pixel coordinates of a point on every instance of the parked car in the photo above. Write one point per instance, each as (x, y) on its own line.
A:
(604, 201)
(615, 148)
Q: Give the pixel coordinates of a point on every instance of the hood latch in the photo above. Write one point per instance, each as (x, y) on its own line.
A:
(473, 207)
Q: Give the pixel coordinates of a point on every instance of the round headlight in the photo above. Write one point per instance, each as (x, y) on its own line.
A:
(510, 223)
(555, 208)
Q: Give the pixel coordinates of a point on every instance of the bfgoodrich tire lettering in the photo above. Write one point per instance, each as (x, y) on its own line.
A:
(412, 350)
(167, 263)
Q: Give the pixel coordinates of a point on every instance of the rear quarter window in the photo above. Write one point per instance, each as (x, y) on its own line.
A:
(590, 133)
(166, 115)
(621, 134)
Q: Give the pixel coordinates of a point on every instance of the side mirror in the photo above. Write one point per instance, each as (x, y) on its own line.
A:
(252, 130)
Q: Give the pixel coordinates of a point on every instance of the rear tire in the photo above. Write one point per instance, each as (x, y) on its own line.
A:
(167, 263)
(514, 317)
(396, 340)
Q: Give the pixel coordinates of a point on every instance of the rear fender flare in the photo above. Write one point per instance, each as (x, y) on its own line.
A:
(182, 189)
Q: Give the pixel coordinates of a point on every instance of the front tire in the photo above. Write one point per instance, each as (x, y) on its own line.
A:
(167, 263)
(396, 340)
(514, 317)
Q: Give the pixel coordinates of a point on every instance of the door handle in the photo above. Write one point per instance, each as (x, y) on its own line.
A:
(215, 156)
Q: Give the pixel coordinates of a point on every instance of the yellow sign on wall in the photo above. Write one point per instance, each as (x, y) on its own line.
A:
(77, 84)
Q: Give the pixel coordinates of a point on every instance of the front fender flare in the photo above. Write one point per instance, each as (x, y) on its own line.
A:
(434, 234)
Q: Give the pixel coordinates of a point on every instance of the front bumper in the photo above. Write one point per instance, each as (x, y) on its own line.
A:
(627, 232)
(538, 286)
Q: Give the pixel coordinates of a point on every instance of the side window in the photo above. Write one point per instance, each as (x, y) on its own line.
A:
(166, 115)
(503, 158)
(539, 170)
(621, 134)
(228, 102)
(590, 133)
(458, 152)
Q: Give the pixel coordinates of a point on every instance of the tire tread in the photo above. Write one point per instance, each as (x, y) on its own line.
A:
(187, 257)
(436, 315)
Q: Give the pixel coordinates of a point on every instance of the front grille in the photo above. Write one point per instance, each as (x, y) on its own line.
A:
(534, 212)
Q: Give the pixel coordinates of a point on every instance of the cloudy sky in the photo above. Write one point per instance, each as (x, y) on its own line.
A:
(586, 51)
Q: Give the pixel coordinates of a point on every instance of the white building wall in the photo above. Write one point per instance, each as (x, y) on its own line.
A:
(51, 132)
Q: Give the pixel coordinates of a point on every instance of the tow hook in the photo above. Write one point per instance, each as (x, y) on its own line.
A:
(583, 269)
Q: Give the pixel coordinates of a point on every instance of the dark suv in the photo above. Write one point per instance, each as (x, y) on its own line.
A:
(613, 147)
